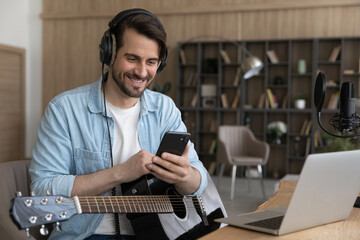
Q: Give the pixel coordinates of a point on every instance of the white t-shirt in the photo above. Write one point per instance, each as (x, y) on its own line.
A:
(126, 144)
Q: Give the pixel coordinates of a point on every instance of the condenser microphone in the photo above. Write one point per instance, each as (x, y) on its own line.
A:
(347, 106)
(346, 119)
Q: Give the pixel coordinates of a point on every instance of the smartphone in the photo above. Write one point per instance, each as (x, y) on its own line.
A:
(174, 142)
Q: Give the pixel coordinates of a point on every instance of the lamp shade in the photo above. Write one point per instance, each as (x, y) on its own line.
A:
(251, 66)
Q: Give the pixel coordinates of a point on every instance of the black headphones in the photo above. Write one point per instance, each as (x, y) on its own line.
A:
(107, 45)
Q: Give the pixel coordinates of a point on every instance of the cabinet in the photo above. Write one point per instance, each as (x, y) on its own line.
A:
(206, 77)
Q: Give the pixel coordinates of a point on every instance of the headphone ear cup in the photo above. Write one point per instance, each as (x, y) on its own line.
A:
(162, 63)
(105, 47)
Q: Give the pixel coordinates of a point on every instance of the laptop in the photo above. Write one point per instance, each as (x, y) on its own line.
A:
(325, 192)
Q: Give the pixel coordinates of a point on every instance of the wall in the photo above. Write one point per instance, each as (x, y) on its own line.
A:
(74, 29)
(20, 26)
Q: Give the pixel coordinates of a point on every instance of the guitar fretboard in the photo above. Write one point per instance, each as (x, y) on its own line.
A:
(126, 204)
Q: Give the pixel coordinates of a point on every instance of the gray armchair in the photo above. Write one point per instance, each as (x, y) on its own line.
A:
(14, 177)
(238, 146)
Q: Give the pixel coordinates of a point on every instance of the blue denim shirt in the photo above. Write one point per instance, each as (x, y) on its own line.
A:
(73, 140)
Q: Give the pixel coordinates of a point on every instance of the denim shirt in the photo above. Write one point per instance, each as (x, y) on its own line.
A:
(73, 140)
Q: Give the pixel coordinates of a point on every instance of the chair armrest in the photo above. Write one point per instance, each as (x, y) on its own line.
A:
(258, 148)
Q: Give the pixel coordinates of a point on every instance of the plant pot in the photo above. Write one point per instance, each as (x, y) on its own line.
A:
(300, 103)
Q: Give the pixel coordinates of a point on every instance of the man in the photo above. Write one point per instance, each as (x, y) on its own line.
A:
(85, 148)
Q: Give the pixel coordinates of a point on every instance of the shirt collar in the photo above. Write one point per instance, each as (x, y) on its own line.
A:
(96, 100)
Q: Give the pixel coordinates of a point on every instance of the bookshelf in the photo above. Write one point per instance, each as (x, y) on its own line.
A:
(290, 69)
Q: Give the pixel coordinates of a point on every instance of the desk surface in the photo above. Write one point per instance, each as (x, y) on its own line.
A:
(347, 229)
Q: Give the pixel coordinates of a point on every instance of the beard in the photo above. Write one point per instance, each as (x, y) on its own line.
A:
(130, 91)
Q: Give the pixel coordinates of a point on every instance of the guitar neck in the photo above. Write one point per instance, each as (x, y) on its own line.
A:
(125, 204)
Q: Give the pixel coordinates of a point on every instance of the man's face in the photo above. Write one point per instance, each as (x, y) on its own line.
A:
(135, 64)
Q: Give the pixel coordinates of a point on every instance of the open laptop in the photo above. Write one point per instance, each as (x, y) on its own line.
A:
(325, 193)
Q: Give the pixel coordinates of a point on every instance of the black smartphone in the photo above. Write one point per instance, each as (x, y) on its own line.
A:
(174, 142)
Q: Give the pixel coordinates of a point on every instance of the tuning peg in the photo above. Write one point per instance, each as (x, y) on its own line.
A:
(27, 230)
(18, 194)
(58, 227)
(43, 230)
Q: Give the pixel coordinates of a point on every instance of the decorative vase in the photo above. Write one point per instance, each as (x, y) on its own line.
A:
(276, 141)
(300, 103)
(302, 66)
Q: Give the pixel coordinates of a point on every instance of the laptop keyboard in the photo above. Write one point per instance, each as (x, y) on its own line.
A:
(269, 223)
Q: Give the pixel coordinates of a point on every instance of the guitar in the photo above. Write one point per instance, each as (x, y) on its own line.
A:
(154, 208)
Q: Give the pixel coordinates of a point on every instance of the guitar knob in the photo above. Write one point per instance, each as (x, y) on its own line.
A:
(48, 217)
(27, 230)
(134, 191)
(58, 227)
(43, 230)
(28, 202)
(44, 201)
(33, 219)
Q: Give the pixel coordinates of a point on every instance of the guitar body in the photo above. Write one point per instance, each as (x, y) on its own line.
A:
(185, 222)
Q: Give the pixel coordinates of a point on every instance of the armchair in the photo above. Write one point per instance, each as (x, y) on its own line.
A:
(238, 146)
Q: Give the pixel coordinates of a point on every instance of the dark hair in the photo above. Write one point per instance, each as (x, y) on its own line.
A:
(146, 25)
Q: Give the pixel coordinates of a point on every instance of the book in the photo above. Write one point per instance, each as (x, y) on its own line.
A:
(270, 98)
(212, 168)
(237, 77)
(190, 79)
(212, 148)
(183, 57)
(194, 80)
(336, 101)
(303, 126)
(225, 57)
(224, 100)
(308, 146)
(236, 101)
(349, 71)
(316, 138)
(331, 100)
(308, 127)
(261, 102)
(193, 100)
(334, 53)
(273, 57)
(284, 102)
(213, 125)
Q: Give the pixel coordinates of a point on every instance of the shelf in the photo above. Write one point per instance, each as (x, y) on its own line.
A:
(332, 55)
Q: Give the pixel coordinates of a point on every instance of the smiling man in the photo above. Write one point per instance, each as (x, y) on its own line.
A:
(96, 137)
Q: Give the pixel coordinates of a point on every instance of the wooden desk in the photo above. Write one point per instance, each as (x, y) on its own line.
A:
(348, 229)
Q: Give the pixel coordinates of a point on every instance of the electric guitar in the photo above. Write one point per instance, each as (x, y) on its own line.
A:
(155, 209)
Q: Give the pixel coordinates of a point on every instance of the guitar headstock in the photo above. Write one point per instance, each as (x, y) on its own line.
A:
(34, 211)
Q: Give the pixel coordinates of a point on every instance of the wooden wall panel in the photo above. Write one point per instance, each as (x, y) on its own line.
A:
(72, 29)
(12, 94)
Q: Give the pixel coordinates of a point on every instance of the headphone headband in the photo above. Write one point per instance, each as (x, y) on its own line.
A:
(107, 45)
(121, 16)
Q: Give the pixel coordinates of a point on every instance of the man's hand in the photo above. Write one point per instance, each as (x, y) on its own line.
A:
(176, 170)
(135, 167)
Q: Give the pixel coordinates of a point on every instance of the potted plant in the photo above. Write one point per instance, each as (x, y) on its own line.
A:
(276, 130)
(300, 101)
